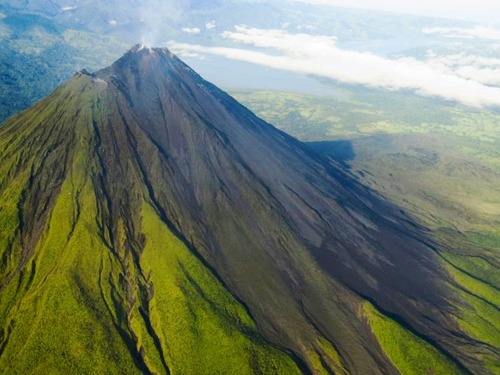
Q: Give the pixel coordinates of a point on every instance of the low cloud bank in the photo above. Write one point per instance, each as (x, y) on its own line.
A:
(435, 76)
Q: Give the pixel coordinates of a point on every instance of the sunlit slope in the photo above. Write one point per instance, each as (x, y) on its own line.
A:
(96, 295)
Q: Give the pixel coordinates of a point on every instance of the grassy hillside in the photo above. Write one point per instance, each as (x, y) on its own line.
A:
(78, 298)
(409, 353)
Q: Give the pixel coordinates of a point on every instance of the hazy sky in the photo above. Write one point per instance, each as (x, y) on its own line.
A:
(477, 10)
(454, 60)
(464, 77)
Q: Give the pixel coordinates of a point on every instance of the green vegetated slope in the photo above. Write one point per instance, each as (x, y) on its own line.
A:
(409, 353)
(83, 299)
(144, 234)
(87, 286)
(439, 160)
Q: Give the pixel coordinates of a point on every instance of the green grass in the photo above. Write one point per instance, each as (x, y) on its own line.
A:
(54, 307)
(81, 307)
(67, 307)
(409, 353)
(478, 285)
(59, 318)
(354, 113)
(194, 313)
(479, 267)
(490, 239)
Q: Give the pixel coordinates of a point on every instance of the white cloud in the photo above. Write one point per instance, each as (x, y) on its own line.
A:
(113, 22)
(188, 54)
(191, 30)
(68, 8)
(481, 69)
(478, 10)
(479, 32)
(319, 55)
(461, 59)
(488, 76)
(210, 25)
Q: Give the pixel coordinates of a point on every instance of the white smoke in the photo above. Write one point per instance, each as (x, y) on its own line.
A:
(156, 16)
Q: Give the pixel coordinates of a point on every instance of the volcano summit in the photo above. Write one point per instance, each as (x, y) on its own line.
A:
(152, 224)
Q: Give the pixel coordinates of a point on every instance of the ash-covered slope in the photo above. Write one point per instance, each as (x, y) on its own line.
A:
(150, 223)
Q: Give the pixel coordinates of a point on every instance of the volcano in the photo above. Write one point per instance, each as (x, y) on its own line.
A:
(152, 224)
